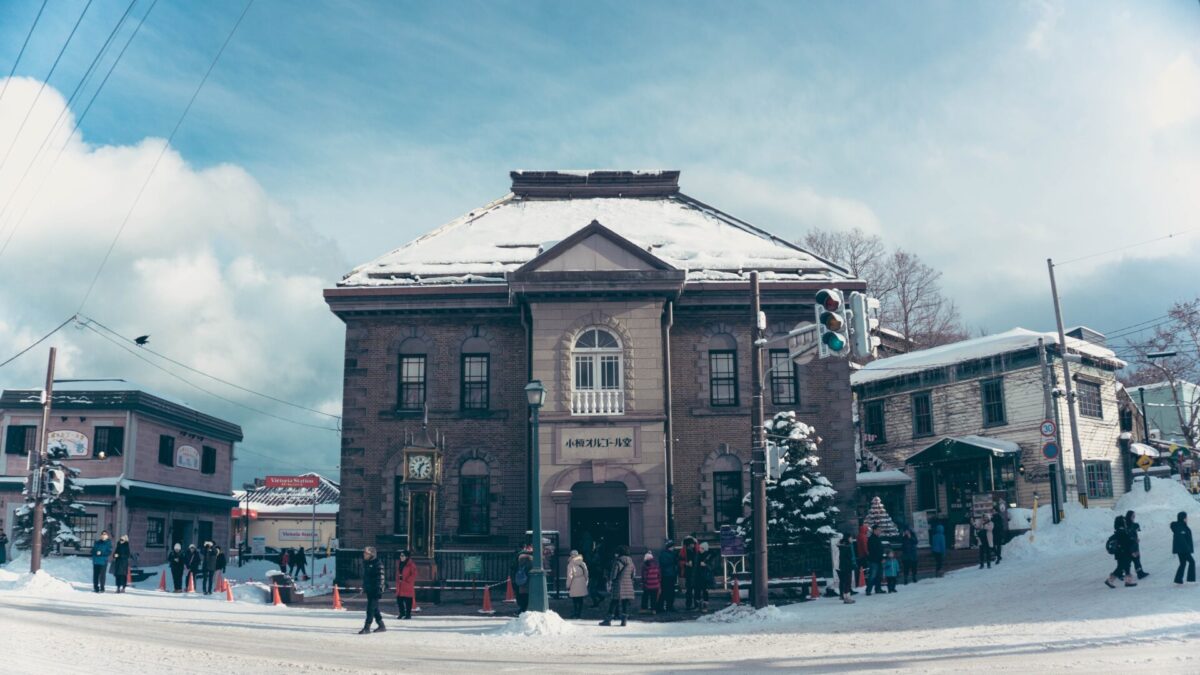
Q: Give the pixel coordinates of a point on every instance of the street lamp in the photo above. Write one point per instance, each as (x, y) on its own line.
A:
(538, 601)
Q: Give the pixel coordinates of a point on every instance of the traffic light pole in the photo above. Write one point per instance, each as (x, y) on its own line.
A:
(758, 449)
(1077, 450)
(36, 480)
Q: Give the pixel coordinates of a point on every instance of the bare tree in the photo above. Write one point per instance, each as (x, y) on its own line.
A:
(858, 251)
(1178, 335)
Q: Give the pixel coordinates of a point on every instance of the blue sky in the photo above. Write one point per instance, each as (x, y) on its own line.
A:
(984, 136)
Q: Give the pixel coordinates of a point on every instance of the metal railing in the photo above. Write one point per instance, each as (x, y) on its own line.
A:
(597, 402)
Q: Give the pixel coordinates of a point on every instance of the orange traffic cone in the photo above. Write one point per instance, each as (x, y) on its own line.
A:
(162, 582)
(736, 596)
(191, 583)
(487, 601)
(815, 593)
(509, 596)
(337, 598)
(862, 578)
(228, 592)
(275, 595)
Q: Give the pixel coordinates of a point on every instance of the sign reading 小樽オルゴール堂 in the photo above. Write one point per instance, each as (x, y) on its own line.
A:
(593, 443)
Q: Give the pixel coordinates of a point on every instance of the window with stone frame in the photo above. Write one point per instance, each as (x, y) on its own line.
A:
(474, 388)
(597, 358)
(727, 491)
(474, 498)
(785, 389)
(412, 382)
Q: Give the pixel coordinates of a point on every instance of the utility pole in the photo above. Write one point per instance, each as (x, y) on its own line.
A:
(758, 448)
(1145, 416)
(1058, 475)
(35, 477)
(1077, 451)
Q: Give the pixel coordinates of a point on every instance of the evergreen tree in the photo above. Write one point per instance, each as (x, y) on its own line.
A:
(878, 516)
(800, 506)
(57, 510)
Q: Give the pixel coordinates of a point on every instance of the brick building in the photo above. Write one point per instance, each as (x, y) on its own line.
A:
(150, 467)
(630, 302)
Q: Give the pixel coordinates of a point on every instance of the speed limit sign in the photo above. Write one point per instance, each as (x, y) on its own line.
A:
(1048, 428)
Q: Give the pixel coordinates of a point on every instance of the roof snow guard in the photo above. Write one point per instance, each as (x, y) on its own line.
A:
(571, 184)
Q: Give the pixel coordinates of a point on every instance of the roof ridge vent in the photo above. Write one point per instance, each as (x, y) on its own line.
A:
(588, 184)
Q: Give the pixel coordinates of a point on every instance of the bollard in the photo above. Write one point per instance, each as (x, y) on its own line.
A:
(735, 597)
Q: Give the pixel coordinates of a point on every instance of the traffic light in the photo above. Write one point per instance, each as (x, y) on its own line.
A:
(864, 322)
(56, 481)
(831, 323)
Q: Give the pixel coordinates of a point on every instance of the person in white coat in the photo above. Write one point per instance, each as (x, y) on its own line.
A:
(577, 583)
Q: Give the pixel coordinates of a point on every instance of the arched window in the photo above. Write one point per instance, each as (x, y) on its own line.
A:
(722, 371)
(727, 490)
(474, 498)
(598, 386)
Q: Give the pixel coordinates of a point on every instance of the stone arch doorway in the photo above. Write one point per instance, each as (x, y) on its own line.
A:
(599, 517)
(599, 486)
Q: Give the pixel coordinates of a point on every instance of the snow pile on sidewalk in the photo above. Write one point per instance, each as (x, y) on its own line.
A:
(39, 583)
(536, 623)
(66, 569)
(252, 591)
(745, 614)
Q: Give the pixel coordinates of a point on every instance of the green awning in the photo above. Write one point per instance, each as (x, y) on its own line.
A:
(958, 448)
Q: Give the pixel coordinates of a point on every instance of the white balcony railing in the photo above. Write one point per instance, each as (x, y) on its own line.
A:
(598, 402)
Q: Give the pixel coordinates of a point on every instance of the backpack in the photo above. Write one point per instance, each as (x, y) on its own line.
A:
(522, 577)
(1112, 545)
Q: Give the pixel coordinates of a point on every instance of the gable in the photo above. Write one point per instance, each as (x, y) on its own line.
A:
(595, 248)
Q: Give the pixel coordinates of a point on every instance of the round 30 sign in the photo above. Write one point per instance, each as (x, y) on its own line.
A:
(1048, 428)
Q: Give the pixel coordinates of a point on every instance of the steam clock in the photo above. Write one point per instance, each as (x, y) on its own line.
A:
(422, 477)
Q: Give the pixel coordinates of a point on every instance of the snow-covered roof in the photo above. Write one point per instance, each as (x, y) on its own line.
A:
(889, 477)
(276, 499)
(998, 445)
(481, 246)
(975, 348)
(1143, 449)
(110, 384)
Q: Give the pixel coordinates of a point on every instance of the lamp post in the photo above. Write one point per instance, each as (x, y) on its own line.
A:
(538, 602)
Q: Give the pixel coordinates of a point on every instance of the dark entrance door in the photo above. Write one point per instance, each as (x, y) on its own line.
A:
(181, 533)
(607, 527)
(962, 482)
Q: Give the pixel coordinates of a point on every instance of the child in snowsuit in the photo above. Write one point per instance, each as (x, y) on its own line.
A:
(891, 570)
(651, 583)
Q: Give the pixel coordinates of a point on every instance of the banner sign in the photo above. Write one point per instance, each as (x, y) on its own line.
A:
(74, 443)
(297, 535)
(187, 457)
(310, 482)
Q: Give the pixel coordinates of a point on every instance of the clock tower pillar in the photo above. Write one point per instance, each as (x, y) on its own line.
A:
(422, 477)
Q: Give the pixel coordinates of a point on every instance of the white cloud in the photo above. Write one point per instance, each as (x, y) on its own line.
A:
(220, 275)
(1048, 13)
(1174, 97)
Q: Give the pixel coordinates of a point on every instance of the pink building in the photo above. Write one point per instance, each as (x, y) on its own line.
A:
(151, 467)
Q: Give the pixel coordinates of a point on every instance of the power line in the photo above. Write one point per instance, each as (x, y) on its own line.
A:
(162, 152)
(209, 376)
(21, 53)
(43, 87)
(1124, 248)
(39, 341)
(78, 121)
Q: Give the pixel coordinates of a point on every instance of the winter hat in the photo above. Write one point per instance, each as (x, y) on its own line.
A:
(648, 557)
(704, 546)
(178, 547)
(574, 553)
(669, 543)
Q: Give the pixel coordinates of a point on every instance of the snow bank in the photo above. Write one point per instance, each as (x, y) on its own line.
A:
(253, 592)
(40, 583)
(536, 623)
(69, 569)
(745, 614)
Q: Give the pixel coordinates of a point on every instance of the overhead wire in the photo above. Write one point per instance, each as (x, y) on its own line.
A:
(13, 71)
(1126, 247)
(37, 342)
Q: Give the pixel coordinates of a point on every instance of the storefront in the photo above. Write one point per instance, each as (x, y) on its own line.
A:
(964, 476)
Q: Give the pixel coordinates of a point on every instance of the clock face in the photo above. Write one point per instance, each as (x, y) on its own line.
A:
(420, 467)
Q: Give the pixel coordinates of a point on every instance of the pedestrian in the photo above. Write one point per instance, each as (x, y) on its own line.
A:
(3, 548)
(891, 570)
(693, 574)
(983, 532)
(595, 565)
(177, 562)
(208, 566)
(284, 560)
(406, 585)
(120, 567)
(864, 537)
(651, 584)
(301, 563)
(1118, 545)
(222, 561)
(1182, 546)
(937, 546)
(999, 532)
(523, 567)
(101, 550)
(577, 583)
(875, 561)
(374, 582)
(622, 587)
(908, 555)
(1135, 548)
(710, 560)
(194, 562)
(846, 566)
(668, 565)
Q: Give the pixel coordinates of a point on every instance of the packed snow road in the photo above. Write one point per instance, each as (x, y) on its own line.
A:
(1043, 609)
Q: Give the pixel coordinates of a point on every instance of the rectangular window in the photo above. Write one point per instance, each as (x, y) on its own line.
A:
(922, 414)
(84, 526)
(412, 382)
(166, 450)
(727, 497)
(155, 531)
(1089, 399)
(21, 440)
(610, 371)
(1126, 420)
(584, 370)
(992, 394)
(109, 442)
(475, 372)
(205, 531)
(1099, 479)
(926, 490)
(722, 378)
(208, 460)
(784, 389)
(473, 503)
(874, 429)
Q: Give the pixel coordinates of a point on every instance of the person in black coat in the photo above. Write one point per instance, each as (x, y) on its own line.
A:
(374, 583)
(177, 562)
(194, 561)
(1135, 549)
(121, 562)
(908, 555)
(875, 559)
(222, 561)
(999, 533)
(1182, 546)
(1122, 552)
(301, 563)
(846, 567)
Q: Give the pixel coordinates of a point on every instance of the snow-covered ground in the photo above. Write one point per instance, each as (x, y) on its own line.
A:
(1044, 609)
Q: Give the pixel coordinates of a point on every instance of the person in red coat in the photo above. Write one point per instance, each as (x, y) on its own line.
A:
(651, 583)
(864, 535)
(406, 585)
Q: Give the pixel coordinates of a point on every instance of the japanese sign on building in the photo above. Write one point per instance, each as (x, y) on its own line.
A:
(187, 457)
(597, 442)
(75, 443)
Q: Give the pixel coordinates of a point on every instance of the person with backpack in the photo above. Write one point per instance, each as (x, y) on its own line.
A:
(1119, 547)
(622, 587)
(937, 546)
(651, 583)
(1135, 548)
(983, 533)
(406, 585)
(1183, 546)
(523, 566)
(908, 555)
(374, 581)
(577, 583)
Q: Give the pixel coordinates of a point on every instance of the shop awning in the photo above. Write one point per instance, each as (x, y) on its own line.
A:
(889, 477)
(1143, 449)
(957, 448)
